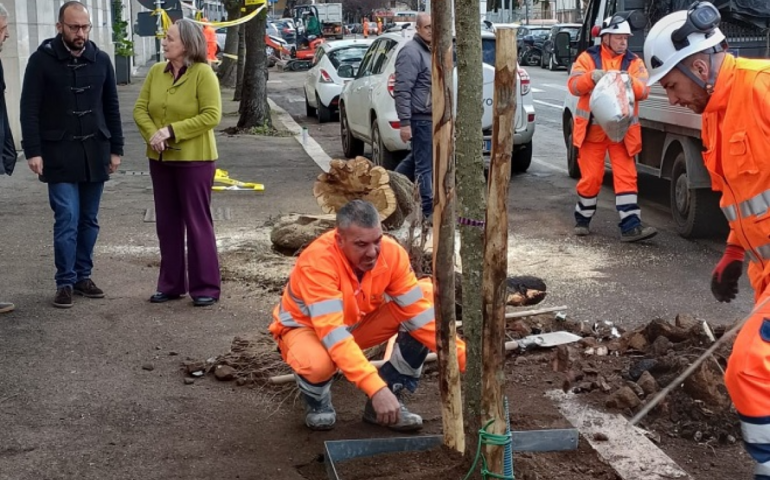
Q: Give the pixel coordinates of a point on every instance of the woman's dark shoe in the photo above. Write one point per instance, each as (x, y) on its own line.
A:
(204, 301)
(161, 297)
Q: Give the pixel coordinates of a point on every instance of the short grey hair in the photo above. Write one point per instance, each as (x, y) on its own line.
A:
(3, 11)
(191, 36)
(358, 212)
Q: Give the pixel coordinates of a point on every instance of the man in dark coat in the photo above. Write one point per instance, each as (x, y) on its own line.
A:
(8, 152)
(72, 138)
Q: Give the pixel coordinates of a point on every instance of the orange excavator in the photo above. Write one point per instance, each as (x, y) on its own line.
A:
(308, 41)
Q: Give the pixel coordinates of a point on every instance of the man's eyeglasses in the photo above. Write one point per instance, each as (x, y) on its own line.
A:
(76, 28)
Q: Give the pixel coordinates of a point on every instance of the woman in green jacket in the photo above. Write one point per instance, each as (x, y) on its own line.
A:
(176, 113)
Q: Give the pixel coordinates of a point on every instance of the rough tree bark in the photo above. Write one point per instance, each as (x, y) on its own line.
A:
(470, 195)
(228, 70)
(496, 241)
(241, 65)
(444, 219)
(254, 109)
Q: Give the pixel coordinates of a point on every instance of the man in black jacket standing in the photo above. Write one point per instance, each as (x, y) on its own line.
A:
(415, 110)
(8, 152)
(72, 138)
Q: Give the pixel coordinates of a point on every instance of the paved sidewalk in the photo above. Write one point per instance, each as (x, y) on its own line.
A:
(75, 401)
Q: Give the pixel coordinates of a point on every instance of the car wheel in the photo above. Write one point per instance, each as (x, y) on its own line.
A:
(695, 210)
(544, 60)
(381, 155)
(521, 159)
(551, 63)
(309, 111)
(324, 112)
(351, 146)
(573, 167)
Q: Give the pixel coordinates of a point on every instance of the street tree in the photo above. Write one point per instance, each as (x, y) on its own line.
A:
(254, 108)
(471, 205)
(228, 70)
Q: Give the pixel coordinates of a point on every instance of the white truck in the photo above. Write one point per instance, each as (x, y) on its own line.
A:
(330, 17)
(671, 138)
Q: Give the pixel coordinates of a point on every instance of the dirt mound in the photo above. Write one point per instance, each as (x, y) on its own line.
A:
(258, 265)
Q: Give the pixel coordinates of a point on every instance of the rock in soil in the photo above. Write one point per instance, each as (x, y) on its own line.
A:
(706, 384)
(623, 398)
(148, 366)
(224, 373)
(661, 346)
(648, 384)
(565, 358)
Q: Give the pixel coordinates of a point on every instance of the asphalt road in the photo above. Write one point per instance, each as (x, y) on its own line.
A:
(598, 277)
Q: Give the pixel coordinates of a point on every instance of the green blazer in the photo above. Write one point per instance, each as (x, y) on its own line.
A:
(192, 106)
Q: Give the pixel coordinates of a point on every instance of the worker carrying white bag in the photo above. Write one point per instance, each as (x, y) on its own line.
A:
(612, 104)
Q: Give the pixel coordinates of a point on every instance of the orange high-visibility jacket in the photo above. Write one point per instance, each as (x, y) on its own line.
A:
(211, 42)
(735, 129)
(324, 293)
(582, 85)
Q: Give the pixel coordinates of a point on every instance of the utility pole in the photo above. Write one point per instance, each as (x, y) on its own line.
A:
(158, 28)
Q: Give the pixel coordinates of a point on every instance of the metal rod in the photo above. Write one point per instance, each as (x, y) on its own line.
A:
(529, 313)
(678, 381)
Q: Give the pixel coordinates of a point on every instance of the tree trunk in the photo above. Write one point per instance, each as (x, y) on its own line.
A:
(241, 64)
(496, 241)
(470, 195)
(228, 71)
(254, 109)
(444, 220)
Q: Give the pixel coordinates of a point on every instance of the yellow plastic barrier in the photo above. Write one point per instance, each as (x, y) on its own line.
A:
(223, 176)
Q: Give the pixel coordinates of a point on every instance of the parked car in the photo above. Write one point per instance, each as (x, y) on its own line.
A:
(548, 59)
(287, 30)
(323, 83)
(368, 110)
(539, 34)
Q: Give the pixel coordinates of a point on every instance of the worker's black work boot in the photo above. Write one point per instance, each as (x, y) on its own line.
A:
(407, 421)
(638, 233)
(319, 414)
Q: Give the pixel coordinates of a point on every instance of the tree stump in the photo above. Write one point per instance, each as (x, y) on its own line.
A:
(294, 232)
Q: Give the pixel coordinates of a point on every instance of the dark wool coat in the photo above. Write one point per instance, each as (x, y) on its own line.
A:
(7, 147)
(70, 114)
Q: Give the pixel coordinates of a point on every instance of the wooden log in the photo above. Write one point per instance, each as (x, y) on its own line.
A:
(444, 221)
(432, 357)
(496, 241)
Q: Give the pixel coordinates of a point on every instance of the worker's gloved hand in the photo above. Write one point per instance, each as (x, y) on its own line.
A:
(386, 406)
(724, 279)
(597, 75)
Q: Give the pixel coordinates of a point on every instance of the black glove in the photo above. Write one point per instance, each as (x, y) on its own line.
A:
(724, 279)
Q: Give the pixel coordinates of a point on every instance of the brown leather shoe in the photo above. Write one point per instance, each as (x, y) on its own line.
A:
(63, 298)
(88, 289)
(6, 307)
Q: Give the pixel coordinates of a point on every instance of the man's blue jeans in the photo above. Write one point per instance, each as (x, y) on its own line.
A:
(75, 207)
(419, 163)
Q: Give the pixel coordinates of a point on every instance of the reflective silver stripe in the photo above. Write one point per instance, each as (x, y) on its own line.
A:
(588, 202)
(401, 365)
(757, 205)
(764, 252)
(335, 336)
(589, 213)
(419, 321)
(752, 257)
(576, 74)
(730, 213)
(583, 113)
(325, 307)
(634, 120)
(626, 199)
(298, 301)
(412, 296)
(753, 433)
(287, 320)
(318, 392)
(624, 215)
(762, 469)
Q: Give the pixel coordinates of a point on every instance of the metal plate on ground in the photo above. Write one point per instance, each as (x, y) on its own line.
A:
(218, 214)
(522, 441)
(133, 173)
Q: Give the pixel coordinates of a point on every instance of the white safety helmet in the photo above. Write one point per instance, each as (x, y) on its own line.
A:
(616, 25)
(680, 35)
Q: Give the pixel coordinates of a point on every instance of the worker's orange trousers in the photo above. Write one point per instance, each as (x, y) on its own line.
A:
(303, 351)
(591, 162)
(748, 382)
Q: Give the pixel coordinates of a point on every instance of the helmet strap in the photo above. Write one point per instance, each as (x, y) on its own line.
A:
(709, 85)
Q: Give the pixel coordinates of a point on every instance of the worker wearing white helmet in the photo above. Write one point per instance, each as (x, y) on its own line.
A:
(592, 141)
(685, 52)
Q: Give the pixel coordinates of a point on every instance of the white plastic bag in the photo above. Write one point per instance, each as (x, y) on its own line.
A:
(612, 104)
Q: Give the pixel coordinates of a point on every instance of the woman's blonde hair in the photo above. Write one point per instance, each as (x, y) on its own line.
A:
(191, 36)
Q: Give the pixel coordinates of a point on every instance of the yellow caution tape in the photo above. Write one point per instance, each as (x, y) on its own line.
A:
(223, 176)
(230, 55)
(165, 21)
(232, 23)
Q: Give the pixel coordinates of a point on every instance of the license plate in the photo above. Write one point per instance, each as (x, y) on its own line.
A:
(487, 146)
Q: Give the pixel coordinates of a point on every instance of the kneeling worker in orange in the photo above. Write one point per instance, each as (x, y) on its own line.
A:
(687, 53)
(352, 289)
(592, 141)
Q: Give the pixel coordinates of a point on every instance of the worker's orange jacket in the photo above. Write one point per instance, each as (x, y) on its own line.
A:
(325, 294)
(735, 130)
(582, 85)
(211, 42)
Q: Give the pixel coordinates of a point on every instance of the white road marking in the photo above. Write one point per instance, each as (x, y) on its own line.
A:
(547, 104)
(295, 99)
(563, 88)
(537, 90)
(549, 166)
(275, 81)
(312, 147)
